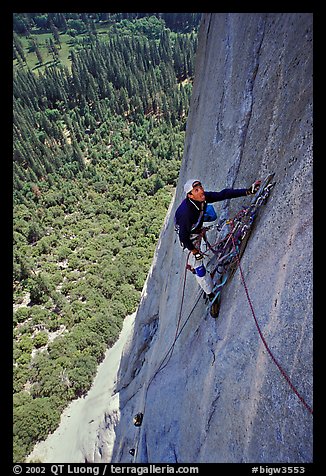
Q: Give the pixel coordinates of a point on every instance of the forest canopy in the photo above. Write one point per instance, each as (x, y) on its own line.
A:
(100, 103)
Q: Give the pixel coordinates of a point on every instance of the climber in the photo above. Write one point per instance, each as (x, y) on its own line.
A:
(189, 218)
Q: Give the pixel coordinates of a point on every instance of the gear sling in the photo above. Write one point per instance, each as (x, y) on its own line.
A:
(196, 264)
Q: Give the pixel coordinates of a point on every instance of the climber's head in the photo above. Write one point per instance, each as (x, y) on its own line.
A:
(194, 189)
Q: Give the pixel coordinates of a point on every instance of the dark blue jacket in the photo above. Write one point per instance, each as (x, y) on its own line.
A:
(187, 215)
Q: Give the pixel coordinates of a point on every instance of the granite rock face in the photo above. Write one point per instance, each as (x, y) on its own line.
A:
(219, 397)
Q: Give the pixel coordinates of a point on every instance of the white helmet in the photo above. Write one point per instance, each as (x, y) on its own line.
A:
(188, 186)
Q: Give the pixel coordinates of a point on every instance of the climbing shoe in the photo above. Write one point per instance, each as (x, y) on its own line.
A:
(211, 296)
(215, 304)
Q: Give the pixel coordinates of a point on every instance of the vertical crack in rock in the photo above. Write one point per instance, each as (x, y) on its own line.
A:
(207, 36)
(227, 75)
(246, 106)
(248, 100)
(212, 411)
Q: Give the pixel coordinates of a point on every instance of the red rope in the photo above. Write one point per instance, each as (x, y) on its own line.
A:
(278, 365)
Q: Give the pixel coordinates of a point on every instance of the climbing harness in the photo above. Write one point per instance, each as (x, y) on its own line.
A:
(227, 252)
(237, 228)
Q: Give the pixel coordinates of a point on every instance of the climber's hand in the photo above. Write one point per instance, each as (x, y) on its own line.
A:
(254, 188)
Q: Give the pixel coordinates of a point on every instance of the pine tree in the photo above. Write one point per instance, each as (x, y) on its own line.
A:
(19, 47)
(52, 49)
(39, 55)
(77, 154)
(165, 47)
(55, 33)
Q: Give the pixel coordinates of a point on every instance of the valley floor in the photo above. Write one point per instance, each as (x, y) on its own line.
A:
(80, 421)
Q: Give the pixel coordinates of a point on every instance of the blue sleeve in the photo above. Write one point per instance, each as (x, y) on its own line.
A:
(225, 194)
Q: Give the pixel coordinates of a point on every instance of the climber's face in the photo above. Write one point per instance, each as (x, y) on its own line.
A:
(197, 193)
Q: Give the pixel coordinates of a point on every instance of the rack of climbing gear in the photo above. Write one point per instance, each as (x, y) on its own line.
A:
(233, 235)
(227, 251)
(227, 255)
